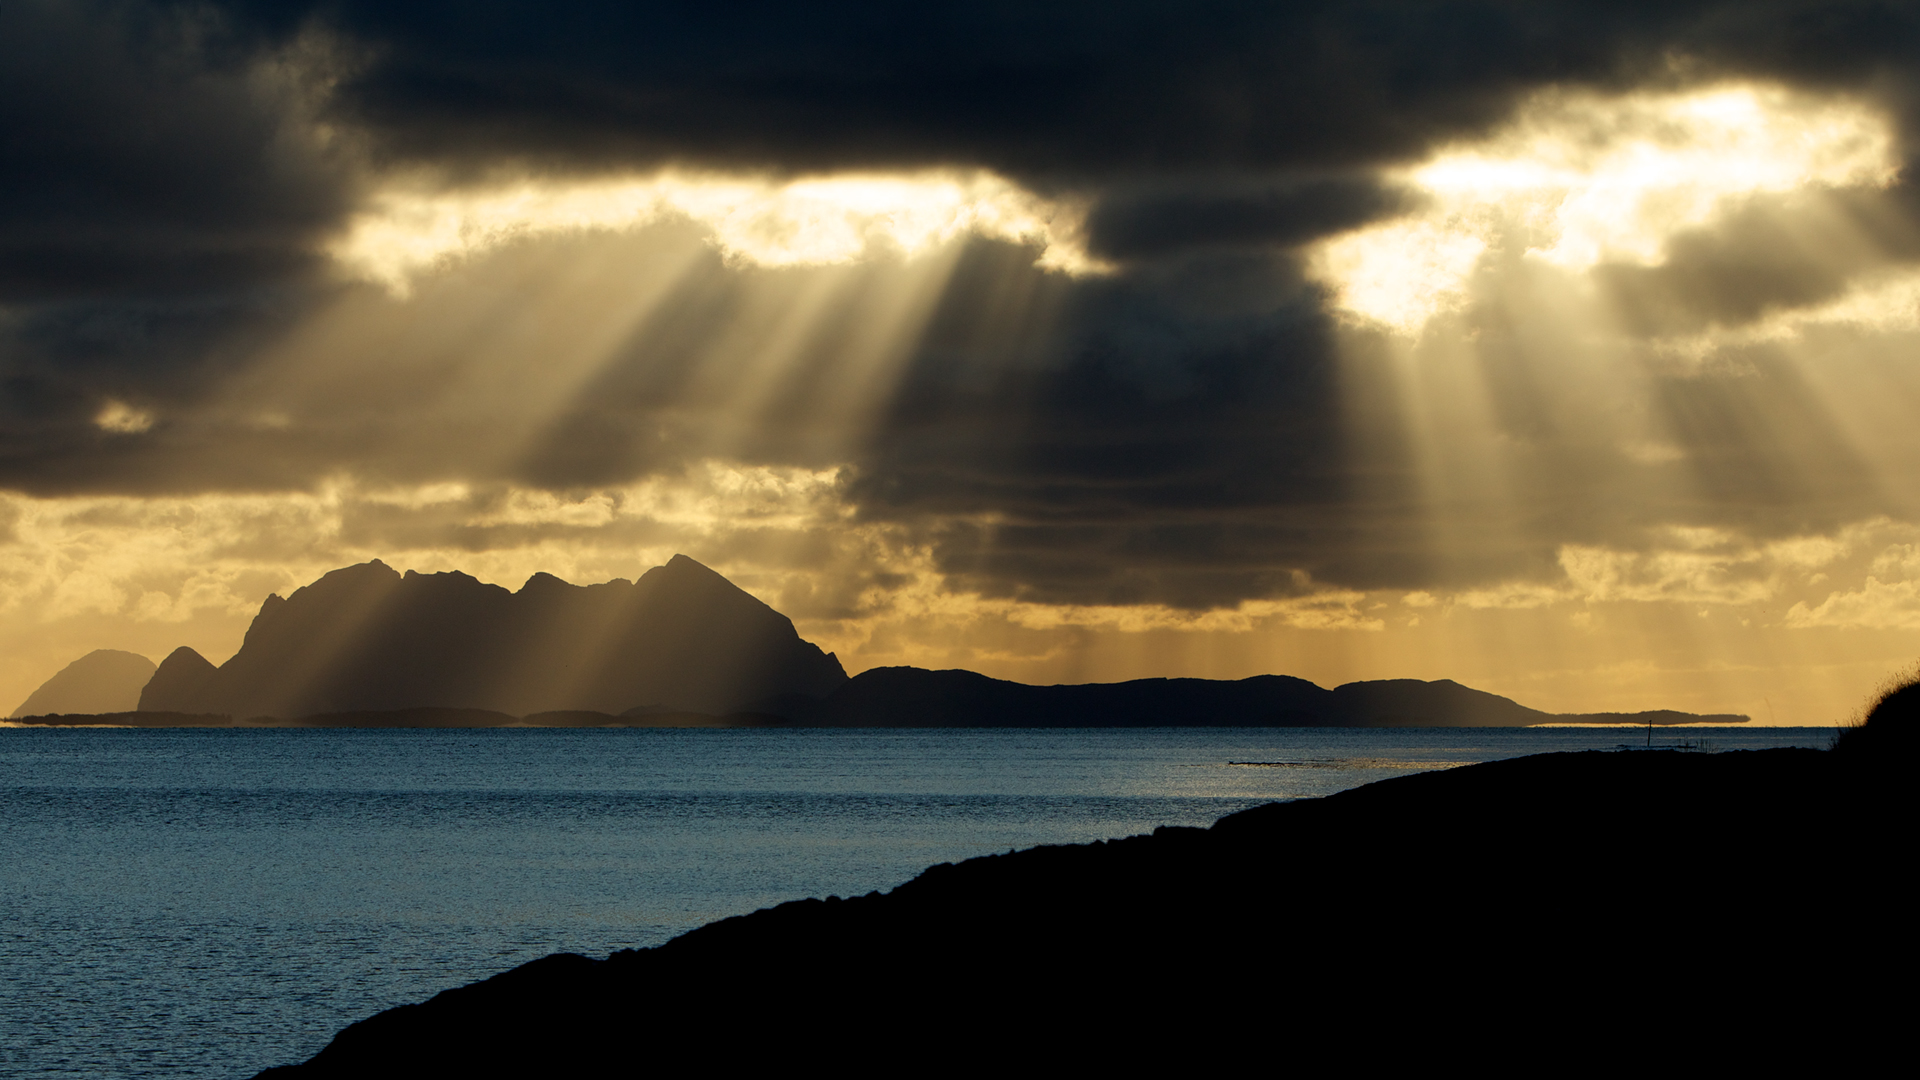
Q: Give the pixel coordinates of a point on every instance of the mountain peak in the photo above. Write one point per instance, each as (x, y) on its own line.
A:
(182, 676)
(542, 583)
(359, 575)
(694, 581)
(681, 566)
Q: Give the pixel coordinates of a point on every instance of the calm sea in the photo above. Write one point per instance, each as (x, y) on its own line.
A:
(209, 903)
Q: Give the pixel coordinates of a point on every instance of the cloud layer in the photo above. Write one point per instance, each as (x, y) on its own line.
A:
(1191, 311)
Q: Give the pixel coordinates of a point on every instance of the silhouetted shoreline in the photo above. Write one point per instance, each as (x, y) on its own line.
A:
(1544, 892)
(388, 719)
(917, 698)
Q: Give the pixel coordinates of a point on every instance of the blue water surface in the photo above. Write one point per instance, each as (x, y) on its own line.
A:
(211, 902)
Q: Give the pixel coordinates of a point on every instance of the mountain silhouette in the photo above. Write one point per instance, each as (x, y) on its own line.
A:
(367, 646)
(367, 638)
(103, 681)
(182, 677)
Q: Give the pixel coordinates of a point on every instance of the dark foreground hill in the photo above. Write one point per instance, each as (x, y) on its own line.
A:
(1654, 907)
(367, 638)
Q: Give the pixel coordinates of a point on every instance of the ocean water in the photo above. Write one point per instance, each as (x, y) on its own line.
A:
(209, 903)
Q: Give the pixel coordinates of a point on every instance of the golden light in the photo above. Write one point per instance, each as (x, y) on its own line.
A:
(505, 309)
(1577, 178)
(411, 227)
(122, 419)
(1476, 338)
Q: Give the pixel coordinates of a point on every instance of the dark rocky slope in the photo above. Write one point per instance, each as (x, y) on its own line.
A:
(367, 638)
(1561, 909)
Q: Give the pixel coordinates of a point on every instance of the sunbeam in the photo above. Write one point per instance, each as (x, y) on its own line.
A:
(1597, 435)
(1515, 400)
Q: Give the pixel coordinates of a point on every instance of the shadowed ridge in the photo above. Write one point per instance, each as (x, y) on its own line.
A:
(103, 681)
(334, 588)
(710, 646)
(682, 579)
(545, 584)
(290, 662)
(1441, 703)
(432, 645)
(563, 638)
(1887, 737)
(917, 697)
(180, 682)
(681, 637)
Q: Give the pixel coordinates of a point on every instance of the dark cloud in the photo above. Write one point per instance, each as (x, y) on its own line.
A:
(1176, 436)
(1068, 91)
(1079, 88)
(1170, 218)
(61, 363)
(151, 151)
(169, 148)
(1192, 430)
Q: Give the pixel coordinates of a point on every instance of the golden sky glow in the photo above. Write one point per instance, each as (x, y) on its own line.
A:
(1578, 178)
(412, 227)
(1791, 631)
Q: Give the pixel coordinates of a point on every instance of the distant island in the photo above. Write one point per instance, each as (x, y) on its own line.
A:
(367, 638)
(367, 646)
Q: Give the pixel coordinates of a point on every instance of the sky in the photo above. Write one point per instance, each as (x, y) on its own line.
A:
(1565, 350)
